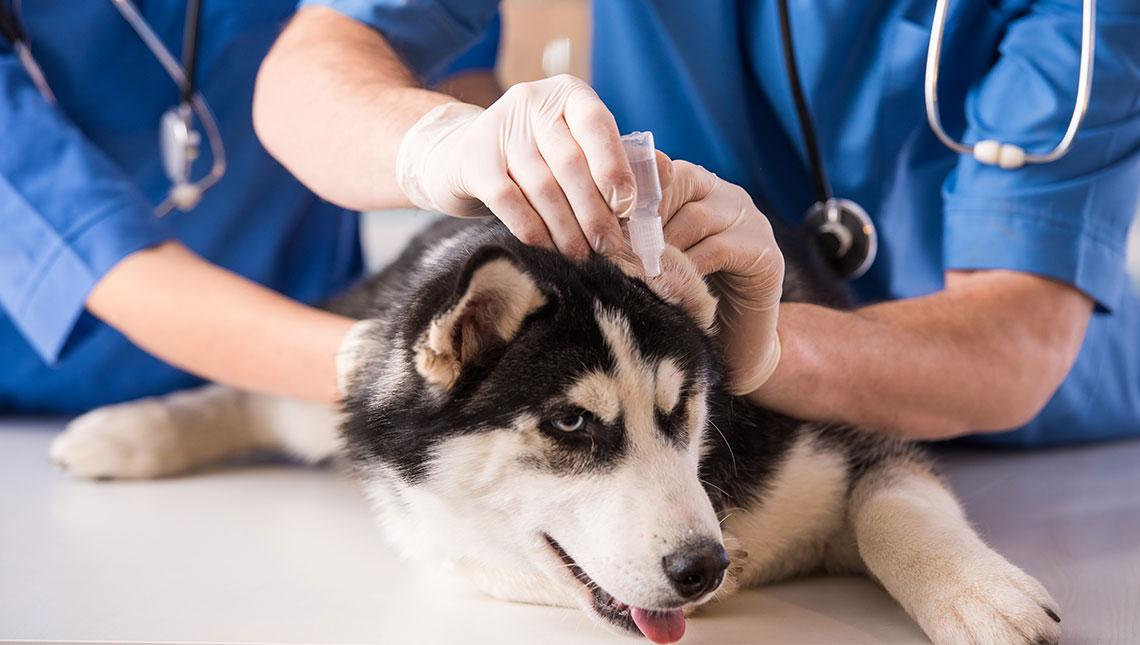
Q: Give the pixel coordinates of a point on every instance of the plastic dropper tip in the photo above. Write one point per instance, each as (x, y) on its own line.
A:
(645, 230)
(652, 266)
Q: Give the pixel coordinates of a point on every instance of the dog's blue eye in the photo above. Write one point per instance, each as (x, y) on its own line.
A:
(569, 423)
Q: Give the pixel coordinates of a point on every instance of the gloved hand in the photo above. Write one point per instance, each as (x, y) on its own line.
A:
(546, 159)
(719, 228)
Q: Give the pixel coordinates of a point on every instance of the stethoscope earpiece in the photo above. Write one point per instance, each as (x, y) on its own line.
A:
(844, 234)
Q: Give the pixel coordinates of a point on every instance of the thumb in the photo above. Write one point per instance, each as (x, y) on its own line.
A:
(687, 183)
(664, 170)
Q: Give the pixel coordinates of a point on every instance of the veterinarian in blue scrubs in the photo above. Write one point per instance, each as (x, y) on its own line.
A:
(1004, 299)
(79, 181)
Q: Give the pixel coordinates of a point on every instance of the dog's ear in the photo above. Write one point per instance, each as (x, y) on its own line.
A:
(679, 283)
(492, 299)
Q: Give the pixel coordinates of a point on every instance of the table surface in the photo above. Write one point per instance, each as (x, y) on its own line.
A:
(275, 553)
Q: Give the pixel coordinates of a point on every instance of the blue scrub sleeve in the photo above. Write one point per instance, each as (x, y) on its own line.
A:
(1068, 219)
(482, 56)
(427, 34)
(67, 215)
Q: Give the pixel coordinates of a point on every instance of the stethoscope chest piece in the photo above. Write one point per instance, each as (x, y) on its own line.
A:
(844, 234)
(840, 228)
(179, 143)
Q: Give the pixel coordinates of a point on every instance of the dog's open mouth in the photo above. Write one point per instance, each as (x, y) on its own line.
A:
(659, 626)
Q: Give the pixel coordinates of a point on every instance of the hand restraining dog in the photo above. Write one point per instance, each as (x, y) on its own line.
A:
(558, 432)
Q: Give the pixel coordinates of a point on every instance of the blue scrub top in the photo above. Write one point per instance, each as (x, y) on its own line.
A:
(708, 79)
(79, 181)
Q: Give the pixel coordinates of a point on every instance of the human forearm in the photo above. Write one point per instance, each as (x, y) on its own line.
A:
(332, 103)
(220, 326)
(984, 355)
(338, 108)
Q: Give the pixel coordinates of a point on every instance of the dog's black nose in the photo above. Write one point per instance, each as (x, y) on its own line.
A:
(696, 568)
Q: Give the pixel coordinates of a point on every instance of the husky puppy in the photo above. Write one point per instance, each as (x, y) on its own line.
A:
(558, 433)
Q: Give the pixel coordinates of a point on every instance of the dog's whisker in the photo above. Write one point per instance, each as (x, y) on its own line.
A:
(712, 485)
(728, 445)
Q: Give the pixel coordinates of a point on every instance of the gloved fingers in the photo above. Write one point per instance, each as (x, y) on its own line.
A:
(765, 273)
(742, 299)
(541, 189)
(688, 183)
(730, 240)
(713, 255)
(692, 223)
(664, 170)
(748, 312)
(506, 201)
(748, 371)
(568, 166)
(596, 132)
(752, 261)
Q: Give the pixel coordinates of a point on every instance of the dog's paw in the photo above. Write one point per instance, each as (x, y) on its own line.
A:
(992, 602)
(128, 441)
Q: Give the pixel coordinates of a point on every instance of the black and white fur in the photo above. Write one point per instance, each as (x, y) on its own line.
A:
(558, 433)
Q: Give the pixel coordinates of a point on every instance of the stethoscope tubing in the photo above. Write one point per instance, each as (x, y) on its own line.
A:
(182, 77)
(1080, 106)
(990, 152)
(12, 30)
(24, 54)
(191, 100)
(803, 112)
(843, 220)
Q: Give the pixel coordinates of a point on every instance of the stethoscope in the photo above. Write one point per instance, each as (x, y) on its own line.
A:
(841, 228)
(179, 141)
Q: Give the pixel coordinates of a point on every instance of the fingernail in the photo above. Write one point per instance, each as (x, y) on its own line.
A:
(622, 199)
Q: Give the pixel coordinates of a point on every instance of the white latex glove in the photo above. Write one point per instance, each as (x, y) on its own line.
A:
(718, 227)
(546, 159)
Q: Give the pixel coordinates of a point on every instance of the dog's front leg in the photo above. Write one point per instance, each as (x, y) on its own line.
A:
(914, 538)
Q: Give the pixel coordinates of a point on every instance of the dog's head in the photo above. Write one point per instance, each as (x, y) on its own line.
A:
(540, 426)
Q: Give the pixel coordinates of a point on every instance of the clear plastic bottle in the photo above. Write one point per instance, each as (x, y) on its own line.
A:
(645, 232)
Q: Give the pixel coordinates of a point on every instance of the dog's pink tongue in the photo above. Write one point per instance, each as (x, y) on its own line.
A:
(659, 626)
